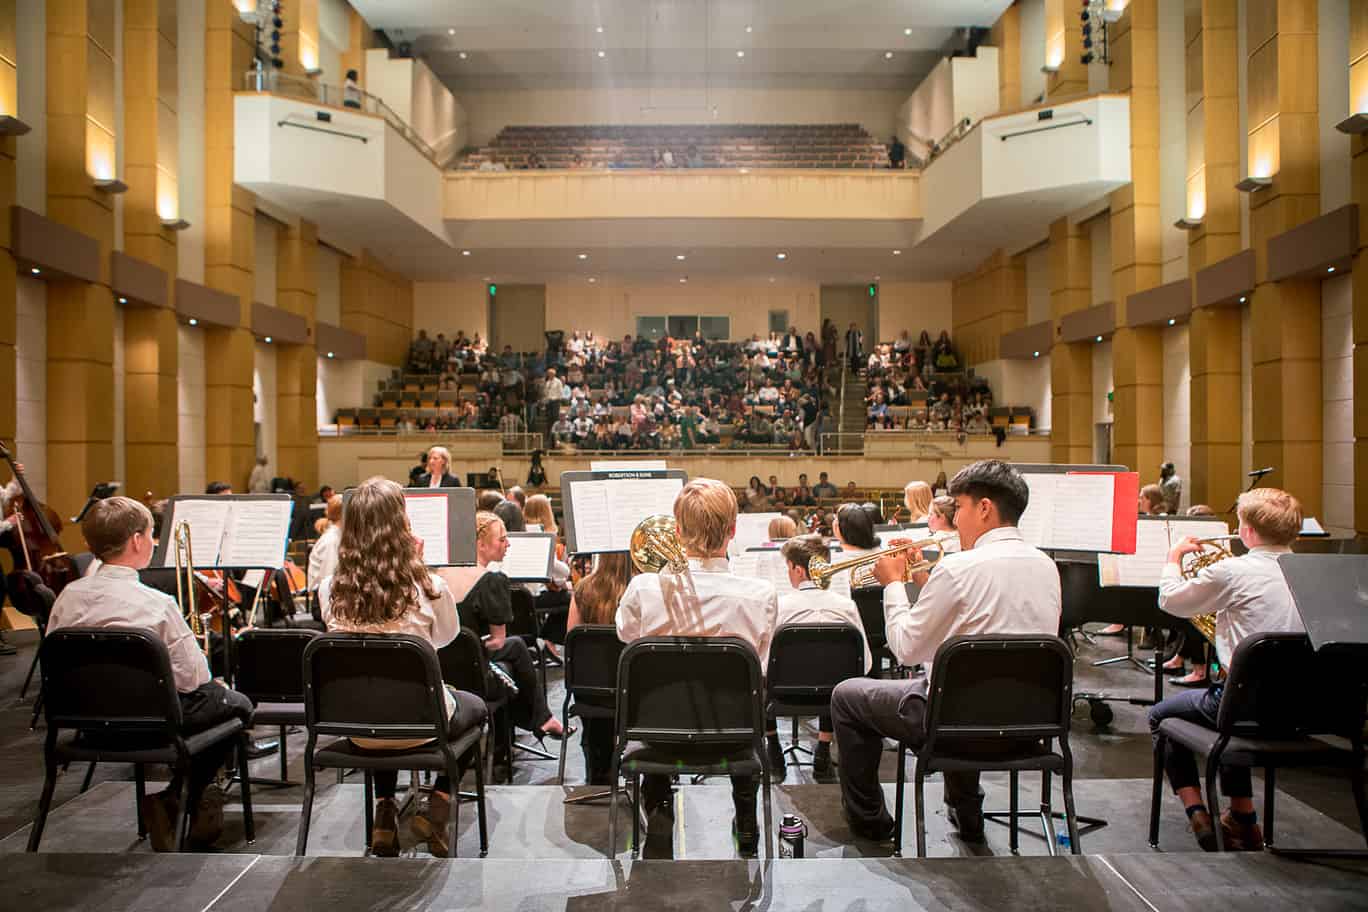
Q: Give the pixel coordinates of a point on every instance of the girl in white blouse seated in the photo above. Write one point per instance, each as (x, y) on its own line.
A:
(383, 586)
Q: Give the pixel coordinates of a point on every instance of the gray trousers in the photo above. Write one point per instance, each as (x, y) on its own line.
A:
(864, 711)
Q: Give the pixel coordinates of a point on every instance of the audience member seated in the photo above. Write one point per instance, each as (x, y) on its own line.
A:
(383, 586)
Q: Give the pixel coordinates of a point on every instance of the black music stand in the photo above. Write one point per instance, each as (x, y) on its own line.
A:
(1331, 595)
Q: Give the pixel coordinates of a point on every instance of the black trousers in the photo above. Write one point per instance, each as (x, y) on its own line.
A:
(655, 787)
(470, 711)
(528, 709)
(201, 709)
(556, 604)
(1200, 706)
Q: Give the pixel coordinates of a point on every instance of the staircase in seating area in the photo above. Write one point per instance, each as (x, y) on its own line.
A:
(853, 411)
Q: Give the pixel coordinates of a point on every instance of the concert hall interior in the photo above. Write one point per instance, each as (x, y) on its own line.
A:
(449, 441)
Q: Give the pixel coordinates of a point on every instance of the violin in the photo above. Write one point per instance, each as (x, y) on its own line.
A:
(34, 546)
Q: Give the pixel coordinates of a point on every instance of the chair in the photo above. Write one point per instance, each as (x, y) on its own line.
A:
(592, 652)
(1279, 692)
(806, 662)
(870, 605)
(381, 686)
(270, 673)
(144, 711)
(694, 691)
(463, 662)
(995, 703)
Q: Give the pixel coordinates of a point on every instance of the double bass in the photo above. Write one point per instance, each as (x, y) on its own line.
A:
(32, 541)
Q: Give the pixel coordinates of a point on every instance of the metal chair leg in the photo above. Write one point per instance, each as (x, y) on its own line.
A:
(44, 805)
(369, 786)
(1214, 802)
(480, 801)
(306, 808)
(1070, 814)
(898, 800)
(140, 792)
(183, 818)
(90, 774)
(245, 784)
(1012, 812)
(1046, 814)
(1270, 788)
(612, 804)
(23, 691)
(1156, 794)
(769, 812)
(919, 804)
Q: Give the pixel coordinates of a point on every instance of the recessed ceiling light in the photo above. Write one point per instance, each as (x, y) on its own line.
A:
(451, 31)
(464, 55)
(268, 340)
(1330, 269)
(603, 54)
(683, 279)
(123, 300)
(888, 55)
(876, 278)
(1035, 354)
(599, 29)
(194, 322)
(749, 30)
(679, 256)
(907, 31)
(781, 256)
(592, 280)
(771, 278)
(36, 271)
(897, 253)
(1099, 338)
(1172, 321)
(1243, 299)
(740, 53)
(330, 354)
(465, 253)
(584, 256)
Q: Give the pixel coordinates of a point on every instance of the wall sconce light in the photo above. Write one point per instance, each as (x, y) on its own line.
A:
(12, 126)
(1254, 184)
(1188, 223)
(313, 71)
(1354, 124)
(111, 185)
(1050, 69)
(178, 224)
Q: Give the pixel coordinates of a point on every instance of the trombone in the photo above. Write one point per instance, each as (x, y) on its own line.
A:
(185, 585)
(820, 571)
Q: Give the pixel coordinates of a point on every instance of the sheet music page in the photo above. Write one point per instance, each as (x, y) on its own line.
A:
(528, 557)
(752, 530)
(1037, 523)
(630, 500)
(1142, 568)
(589, 509)
(253, 578)
(207, 519)
(256, 533)
(1083, 513)
(773, 566)
(427, 516)
(1206, 528)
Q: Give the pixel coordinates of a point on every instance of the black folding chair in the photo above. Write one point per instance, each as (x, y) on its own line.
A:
(995, 703)
(527, 625)
(463, 662)
(806, 662)
(869, 601)
(359, 685)
(1278, 694)
(115, 683)
(270, 673)
(697, 691)
(592, 653)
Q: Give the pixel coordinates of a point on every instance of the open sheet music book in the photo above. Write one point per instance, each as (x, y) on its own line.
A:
(1155, 535)
(444, 519)
(228, 531)
(602, 508)
(752, 530)
(770, 564)
(1081, 511)
(529, 556)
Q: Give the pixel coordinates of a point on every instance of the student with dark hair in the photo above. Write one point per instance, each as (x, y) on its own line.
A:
(997, 584)
(854, 528)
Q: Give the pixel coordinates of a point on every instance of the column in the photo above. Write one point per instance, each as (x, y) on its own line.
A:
(1285, 327)
(986, 303)
(1006, 37)
(1358, 101)
(379, 305)
(1137, 247)
(9, 104)
(1214, 139)
(228, 250)
(297, 365)
(80, 148)
(1070, 362)
(150, 335)
(299, 37)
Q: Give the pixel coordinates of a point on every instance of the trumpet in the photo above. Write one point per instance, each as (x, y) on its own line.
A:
(185, 585)
(1212, 551)
(821, 571)
(655, 545)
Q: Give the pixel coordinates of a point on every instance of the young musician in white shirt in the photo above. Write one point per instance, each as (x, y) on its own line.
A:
(1249, 595)
(720, 604)
(811, 604)
(997, 584)
(118, 531)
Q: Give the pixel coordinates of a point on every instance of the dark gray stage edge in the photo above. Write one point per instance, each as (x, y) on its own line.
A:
(253, 883)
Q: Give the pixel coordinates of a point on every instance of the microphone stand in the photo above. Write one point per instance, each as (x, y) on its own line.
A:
(1255, 478)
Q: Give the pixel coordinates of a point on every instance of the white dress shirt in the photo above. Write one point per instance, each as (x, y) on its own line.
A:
(728, 605)
(323, 555)
(1248, 594)
(810, 604)
(1001, 585)
(113, 597)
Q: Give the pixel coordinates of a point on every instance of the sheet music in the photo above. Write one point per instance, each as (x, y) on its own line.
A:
(207, 519)
(427, 515)
(1083, 512)
(1142, 568)
(1037, 523)
(528, 557)
(533, 527)
(593, 524)
(752, 530)
(1206, 528)
(253, 578)
(256, 533)
(607, 510)
(773, 566)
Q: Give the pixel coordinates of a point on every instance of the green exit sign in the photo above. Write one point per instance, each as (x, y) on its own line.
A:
(493, 289)
(873, 290)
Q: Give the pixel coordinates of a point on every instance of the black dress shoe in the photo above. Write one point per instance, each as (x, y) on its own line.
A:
(746, 829)
(659, 841)
(778, 768)
(823, 770)
(967, 819)
(263, 748)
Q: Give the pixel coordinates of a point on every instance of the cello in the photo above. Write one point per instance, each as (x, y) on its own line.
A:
(33, 544)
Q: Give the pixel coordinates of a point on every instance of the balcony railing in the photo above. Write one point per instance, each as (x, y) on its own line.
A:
(302, 87)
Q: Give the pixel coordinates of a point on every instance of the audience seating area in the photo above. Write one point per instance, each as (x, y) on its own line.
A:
(716, 146)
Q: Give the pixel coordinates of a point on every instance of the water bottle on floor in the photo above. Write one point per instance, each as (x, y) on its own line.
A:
(792, 833)
(1062, 840)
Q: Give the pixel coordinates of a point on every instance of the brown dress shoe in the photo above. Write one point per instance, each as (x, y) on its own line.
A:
(430, 824)
(206, 825)
(1204, 830)
(385, 832)
(159, 816)
(1240, 837)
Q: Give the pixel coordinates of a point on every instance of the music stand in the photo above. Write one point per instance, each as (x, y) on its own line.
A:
(1331, 595)
(101, 491)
